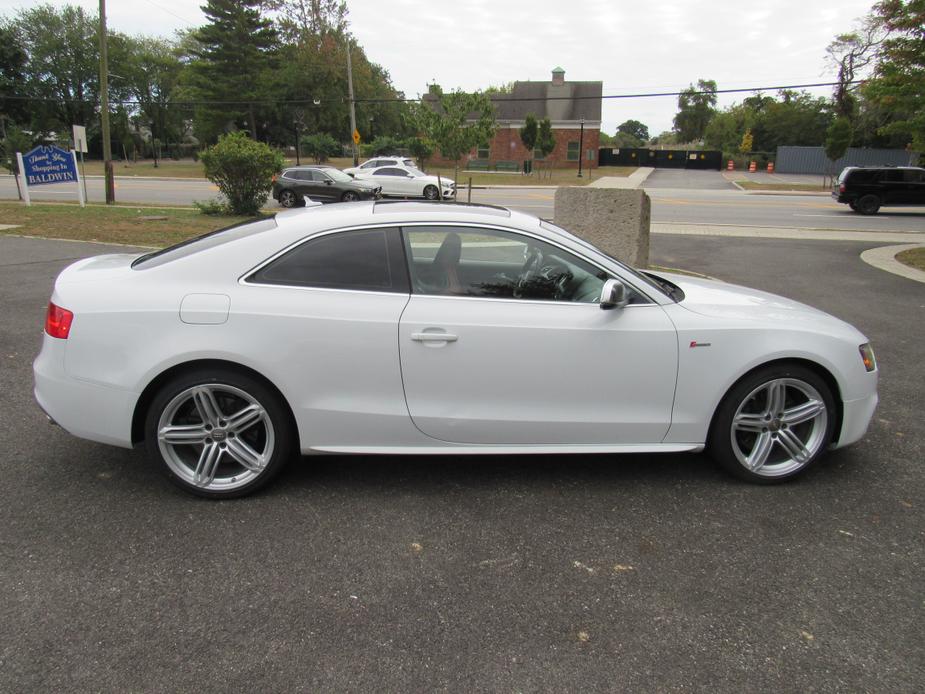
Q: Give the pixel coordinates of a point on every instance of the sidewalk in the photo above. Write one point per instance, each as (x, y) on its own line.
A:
(634, 180)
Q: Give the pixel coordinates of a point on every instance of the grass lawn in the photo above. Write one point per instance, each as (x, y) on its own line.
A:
(755, 185)
(110, 224)
(914, 257)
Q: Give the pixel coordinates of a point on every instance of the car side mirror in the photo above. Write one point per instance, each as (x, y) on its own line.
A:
(613, 295)
(328, 181)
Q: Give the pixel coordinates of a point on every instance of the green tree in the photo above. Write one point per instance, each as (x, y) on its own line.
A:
(528, 135)
(12, 75)
(62, 65)
(638, 130)
(837, 141)
(546, 141)
(243, 170)
(898, 85)
(234, 58)
(696, 106)
(150, 70)
(320, 147)
(456, 122)
(420, 149)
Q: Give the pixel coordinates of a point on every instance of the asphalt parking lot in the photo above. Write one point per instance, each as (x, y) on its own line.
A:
(539, 573)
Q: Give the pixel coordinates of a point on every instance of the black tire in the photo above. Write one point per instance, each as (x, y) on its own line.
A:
(431, 192)
(270, 437)
(349, 196)
(289, 199)
(754, 433)
(868, 204)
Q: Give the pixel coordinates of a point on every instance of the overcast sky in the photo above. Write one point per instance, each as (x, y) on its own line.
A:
(632, 46)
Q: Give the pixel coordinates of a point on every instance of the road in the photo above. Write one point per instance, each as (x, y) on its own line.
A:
(535, 573)
(706, 199)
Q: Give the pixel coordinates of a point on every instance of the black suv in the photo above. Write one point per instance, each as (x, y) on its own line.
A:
(866, 189)
(322, 184)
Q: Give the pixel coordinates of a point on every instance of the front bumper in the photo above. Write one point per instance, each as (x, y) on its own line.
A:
(856, 416)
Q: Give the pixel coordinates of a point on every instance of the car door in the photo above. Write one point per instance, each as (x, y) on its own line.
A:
(390, 179)
(324, 185)
(503, 342)
(324, 315)
(915, 184)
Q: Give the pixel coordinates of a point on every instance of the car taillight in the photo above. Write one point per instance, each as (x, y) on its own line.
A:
(58, 321)
(841, 188)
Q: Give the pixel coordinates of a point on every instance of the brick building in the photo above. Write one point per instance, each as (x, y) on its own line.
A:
(566, 104)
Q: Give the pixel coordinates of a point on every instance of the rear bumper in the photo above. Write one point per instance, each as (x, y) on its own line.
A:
(87, 410)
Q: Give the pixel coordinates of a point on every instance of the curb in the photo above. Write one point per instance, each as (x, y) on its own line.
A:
(884, 258)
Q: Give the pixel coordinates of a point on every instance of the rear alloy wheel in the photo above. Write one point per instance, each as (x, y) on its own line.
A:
(869, 204)
(288, 199)
(349, 196)
(431, 192)
(218, 433)
(773, 424)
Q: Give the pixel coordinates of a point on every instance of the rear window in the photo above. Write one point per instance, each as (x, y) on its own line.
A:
(201, 243)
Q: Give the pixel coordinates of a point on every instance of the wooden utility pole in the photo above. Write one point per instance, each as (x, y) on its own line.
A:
(104, 109)
(353, 111)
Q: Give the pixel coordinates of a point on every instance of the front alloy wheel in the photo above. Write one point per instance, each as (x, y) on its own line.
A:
(221, 435)
(774, 424)
(431, 192)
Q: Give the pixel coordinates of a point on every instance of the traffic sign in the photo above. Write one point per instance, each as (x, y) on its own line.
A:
(356, 136)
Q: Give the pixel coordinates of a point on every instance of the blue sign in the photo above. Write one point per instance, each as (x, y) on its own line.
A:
(49, 165)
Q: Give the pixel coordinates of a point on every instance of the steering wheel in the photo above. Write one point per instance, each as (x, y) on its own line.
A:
(556, 277)
(532, 263)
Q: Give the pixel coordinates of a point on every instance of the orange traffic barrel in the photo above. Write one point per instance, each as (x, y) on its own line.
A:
(730, 165)
(752, 167)
(770, 167)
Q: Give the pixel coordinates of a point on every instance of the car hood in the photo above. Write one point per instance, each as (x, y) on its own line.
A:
(365, 183)
(718, 299)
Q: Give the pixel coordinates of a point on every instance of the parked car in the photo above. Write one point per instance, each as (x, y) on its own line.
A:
(379, 162)
(418, 328)
(867, 189)
(408, 182)
(321, 183)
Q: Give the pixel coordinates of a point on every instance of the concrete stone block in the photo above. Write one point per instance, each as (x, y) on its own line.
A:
(616, 221)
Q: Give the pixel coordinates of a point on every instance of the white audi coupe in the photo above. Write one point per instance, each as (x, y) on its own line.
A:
(428, 328)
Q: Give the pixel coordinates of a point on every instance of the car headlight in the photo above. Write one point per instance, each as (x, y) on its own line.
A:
(867, 356)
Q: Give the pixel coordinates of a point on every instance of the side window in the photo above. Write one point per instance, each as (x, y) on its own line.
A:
(390, 172)
(913, 176)
(298, 175)
(461, 261)
(319, 176)
(366, 259)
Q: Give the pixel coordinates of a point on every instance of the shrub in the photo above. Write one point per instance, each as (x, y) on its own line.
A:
(243, 170)
(320, 146)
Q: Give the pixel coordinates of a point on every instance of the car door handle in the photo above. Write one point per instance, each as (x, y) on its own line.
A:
(433, 337)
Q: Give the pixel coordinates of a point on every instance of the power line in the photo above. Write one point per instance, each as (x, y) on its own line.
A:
(497, 98)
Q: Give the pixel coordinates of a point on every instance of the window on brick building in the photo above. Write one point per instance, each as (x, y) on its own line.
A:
(483, 151)
(573, 152)
(538, 155)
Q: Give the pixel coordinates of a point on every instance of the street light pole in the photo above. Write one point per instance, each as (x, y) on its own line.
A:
(581, 146)
(104, 109)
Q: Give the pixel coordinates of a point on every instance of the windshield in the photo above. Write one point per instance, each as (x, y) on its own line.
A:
(201, 243)
(338, 175)
(644, 279)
